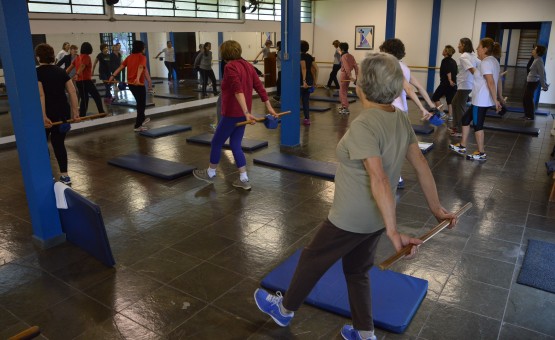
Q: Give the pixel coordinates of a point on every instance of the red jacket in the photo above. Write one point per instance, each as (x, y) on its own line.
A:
(240, 77)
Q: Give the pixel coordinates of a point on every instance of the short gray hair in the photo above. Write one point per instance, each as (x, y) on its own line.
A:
(381, 78)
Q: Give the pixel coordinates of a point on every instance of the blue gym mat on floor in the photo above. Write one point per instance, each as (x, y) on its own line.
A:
(129, 103)
(351, 95)
(330, 99)
(152, 166)
(538, 267)
(298, 164)
(521, 110)
(83, 225)
(532, 131)
(165, 131)
(422, 129)
(246, 144)
(174, 96)
(395, 297)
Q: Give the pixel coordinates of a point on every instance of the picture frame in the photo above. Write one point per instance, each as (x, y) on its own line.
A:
(264, 36)
(364, 37)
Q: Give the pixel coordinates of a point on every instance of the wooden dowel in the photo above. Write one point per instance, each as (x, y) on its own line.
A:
(98, 115)
(247, 122)
(406, 250)
(29, 333)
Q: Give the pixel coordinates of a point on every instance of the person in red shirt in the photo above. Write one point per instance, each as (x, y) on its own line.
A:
(136, 75)
(239, 80)
(83, 79)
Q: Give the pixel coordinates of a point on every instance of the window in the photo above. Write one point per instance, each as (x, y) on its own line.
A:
(270, 10)
(66, 6)
(217, 9)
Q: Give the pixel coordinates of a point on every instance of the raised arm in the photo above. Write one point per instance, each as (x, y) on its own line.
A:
(412, 95)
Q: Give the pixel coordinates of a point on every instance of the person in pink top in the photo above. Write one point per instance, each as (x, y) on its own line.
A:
(239, 80)
(348, 64)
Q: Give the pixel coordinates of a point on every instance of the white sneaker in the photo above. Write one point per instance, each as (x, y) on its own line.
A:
(243, 185)
(140, 128)
(146, 121)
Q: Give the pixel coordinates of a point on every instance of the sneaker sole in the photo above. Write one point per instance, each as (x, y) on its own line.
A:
(273, 318)
(242, 187)
(203, 179)
(470, 158)
(463, 154)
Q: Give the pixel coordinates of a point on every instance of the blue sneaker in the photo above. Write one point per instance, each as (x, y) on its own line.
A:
(65, 179)
(349, 333)
(269, 304)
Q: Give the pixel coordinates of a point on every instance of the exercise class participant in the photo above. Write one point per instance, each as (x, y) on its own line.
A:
(204, 63)
(104, 70)
(63, 52)
(447, 75)
(53, 85)
(309, 77)
(136, 75)
(277, 97)
(348, 64)
(370, 156)
(336, 65)
(468, 62)
(115, 62)
(536, 76)
(486, 93)
(169, 60)
(238, 81)
(265, 51)
(83, 78)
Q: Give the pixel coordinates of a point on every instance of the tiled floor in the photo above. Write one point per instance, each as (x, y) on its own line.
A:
(190, 255)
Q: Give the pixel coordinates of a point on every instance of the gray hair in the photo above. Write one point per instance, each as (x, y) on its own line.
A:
(381, 78)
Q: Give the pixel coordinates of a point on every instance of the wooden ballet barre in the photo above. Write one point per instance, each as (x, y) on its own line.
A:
(407, 249)
(29, 333)
(250, 121)
(98, 115)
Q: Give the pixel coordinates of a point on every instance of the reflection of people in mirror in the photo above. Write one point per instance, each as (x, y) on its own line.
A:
(169, 60)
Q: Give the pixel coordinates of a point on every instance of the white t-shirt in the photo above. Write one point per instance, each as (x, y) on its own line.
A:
(480, 93)
(61, 54)
(169, 54)
(465, 79)
(401, 101)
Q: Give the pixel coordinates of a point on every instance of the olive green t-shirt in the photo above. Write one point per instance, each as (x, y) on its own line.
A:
(374, 133)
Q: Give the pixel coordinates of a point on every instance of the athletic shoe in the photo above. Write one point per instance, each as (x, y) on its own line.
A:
(240, 184)
(345, 111)
(450, 118)
(146, 121)
(349, 333)
(65, 179)
(140, 128)
(477, 156)
(213, 126)
(269, 304)
(458, 148)
(203, 175)
(401, 184)
(326, 87)
(306, 122)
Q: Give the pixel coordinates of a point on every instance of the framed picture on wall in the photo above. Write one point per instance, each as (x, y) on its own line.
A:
(265, 36)
(364, 37)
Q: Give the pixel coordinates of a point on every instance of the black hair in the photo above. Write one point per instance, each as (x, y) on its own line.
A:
(86, 48)
(394, 47)
(304, 46)
(138, 46)
(344, 47)
(540, 50)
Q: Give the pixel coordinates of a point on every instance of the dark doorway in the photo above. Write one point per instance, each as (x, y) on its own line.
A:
(185, 48)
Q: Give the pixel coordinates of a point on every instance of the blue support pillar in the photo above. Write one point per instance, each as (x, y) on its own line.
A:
(482, 32)
(291, 71)
(172, 39)
(543, 39)
(144, 38)
(434, 38)
(16, 51)
(508, 47)
(220, 42)
(390, 16)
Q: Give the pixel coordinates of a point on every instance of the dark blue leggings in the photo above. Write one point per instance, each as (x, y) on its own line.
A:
(227, 129)
(476, 115)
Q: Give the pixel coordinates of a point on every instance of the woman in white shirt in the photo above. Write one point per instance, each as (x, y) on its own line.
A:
(486, 93)
(169, 60)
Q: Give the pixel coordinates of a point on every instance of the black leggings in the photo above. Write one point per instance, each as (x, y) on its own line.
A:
(170, 65)
(139, 92)
(528, 99)
(305, 99)
(57, 139)
(86, 87)
(475, 114)
(205, 75)
(333, 75)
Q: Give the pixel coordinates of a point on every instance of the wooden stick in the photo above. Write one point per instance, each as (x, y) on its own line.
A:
(247, 122)
(406, 250)
(98, 115)
(29, 333)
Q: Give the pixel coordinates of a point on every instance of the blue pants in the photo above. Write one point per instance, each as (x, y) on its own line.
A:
(227, 129)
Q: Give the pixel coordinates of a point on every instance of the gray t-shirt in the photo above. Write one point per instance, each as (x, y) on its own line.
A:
(374, 133)
(203, 61)
(169, 54)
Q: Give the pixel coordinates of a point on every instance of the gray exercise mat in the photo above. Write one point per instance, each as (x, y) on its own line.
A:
(152, 166)
(174, 96)
(165, 131)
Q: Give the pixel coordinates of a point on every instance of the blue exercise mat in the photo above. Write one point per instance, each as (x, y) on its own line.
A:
(521, 110)
(330, 99)
(422, 129)
(395, 297)
(152, 166)
(129, 103)
(83, 225)
(298, 164)
(174, 96)
(538, 267)
(351, 95)
(532, 131)
(165, 131)
(246, 144)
